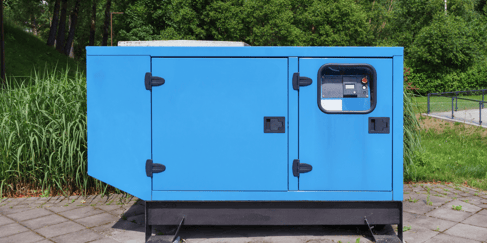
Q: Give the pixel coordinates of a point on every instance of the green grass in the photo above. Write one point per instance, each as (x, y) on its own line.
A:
(43, 136)
(457, 154)
(26, 54)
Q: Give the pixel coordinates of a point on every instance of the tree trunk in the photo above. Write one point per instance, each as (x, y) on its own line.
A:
(62, 28)
(2, 45)
(106, 24)
(72, 29)
(93, 25)
(55, 18)
(33, 24)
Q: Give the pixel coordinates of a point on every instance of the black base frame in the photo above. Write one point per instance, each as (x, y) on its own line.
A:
(273, 213)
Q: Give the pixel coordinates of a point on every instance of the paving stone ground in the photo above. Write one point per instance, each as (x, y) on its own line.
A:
(428, 215)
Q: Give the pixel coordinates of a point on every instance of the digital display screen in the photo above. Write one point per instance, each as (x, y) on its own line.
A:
(349, 86)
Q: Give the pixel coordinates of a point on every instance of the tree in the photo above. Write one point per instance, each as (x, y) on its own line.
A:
(54, 25)
(2, 46)
(106, 23)
(449, 43)
(72, 29)
(93, 25)
(62, 28)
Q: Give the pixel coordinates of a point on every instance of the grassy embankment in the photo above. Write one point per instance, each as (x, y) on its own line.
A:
(453, 152)
(42, 121)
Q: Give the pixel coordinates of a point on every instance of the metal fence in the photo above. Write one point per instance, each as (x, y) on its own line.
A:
(455, 96)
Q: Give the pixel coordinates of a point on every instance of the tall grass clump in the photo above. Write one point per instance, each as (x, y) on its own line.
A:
(412, 138)
(43, 135)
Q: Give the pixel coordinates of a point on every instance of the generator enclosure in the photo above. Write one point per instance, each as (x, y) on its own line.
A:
(269, 125)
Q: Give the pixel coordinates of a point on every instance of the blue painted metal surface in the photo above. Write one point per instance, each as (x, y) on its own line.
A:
(271, 196)
(398, 128)
(119, 120)
(293, 122)
(207, 124)
(343, 154)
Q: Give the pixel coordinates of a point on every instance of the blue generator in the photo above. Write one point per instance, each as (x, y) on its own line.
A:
(250, 135)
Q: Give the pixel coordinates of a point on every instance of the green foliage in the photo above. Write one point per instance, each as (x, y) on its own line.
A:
(412, 138)
(43, 135)
(269, 23)
(458, 207)
(473, 78)
(449, 43)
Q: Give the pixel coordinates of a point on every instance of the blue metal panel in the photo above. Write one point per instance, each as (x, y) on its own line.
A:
(271, 196)
(248, 51)
(397, 131)
(292, 123)
(208, 123)
(343, 154)
(119, 135)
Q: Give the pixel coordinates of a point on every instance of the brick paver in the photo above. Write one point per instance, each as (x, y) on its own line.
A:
(115, 218)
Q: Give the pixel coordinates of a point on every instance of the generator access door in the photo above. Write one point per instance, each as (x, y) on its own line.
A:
(345, 126)
(219, 124)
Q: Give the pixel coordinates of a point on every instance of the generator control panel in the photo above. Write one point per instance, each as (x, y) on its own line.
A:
(346, 88)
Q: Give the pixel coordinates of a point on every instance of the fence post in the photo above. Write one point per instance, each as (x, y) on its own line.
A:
(452, 110)
(456, 102)
(483, 91)
(480, 112)
(428, 104)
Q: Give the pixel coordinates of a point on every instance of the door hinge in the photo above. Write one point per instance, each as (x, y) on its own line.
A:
(299, 168)
(152, 81)
(300, 81)
(151, 168)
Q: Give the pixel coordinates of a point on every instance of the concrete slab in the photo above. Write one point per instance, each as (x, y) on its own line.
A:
(418, 234)
(477, 220)
(427, 222)
(25, 237)
(97, 220)
(81, 212)
(60, 229)
(105, 240)
(138, 219)
(44, 221)
(468, 231)
(61, 208)
(13, 209)
(467, 207)
(5, 220)
(108, 208)
(418, 208)
(78, 237)
(12, 229)
(29, 214)
(443, 238)
(449, 214)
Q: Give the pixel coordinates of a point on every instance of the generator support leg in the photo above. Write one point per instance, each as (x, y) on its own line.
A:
(400, 226)
(148, 228)
(370, 230)
(177, 230)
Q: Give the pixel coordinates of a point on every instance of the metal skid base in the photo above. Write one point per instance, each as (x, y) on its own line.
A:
(273, 213)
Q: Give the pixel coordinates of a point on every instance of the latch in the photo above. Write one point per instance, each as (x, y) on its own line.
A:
(151, 168)
(152, 81)
(379, 125)
(300, 81)
(299, 168)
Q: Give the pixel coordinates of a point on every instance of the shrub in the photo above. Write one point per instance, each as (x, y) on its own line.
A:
(43, 135)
